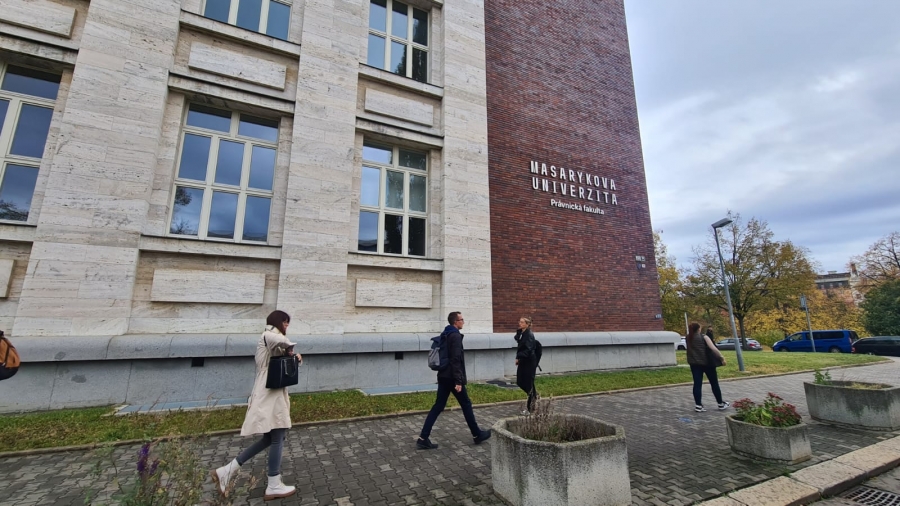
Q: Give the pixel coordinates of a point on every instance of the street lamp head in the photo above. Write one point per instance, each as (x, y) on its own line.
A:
(721, 223)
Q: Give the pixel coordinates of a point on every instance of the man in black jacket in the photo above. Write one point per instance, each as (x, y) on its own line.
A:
(452, 379)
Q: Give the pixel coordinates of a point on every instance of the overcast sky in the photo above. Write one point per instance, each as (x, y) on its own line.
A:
(787, 111)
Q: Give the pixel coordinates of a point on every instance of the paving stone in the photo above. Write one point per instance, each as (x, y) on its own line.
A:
(780, 491)
(722, 501)
(889, 481)
(830, 478)
(873, 460)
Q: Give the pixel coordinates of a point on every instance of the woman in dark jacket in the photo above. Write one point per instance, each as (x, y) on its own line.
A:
(526, 361)
(699, 350)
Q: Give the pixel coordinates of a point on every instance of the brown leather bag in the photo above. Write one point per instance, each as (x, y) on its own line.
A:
(9, 358)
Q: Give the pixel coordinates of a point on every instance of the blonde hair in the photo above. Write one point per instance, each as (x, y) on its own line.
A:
(527, 320)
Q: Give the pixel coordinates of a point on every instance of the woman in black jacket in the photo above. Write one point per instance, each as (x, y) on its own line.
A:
(526, 361)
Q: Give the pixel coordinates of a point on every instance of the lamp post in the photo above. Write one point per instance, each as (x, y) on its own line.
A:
(737, 342)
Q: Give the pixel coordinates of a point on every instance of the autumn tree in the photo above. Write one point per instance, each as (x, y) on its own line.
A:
(827, 310)
(670, 286)
(880, 263)
(882, 309)
(762, 273)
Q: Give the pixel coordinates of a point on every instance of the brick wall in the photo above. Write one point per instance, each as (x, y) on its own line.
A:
(560, 92)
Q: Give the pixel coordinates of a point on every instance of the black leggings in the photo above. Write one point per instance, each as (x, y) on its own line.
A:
(525, 380)
(697, 371)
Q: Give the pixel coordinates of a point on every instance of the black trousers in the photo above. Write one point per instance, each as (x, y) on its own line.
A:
(525, 380)
(697, 371)
(445, 388)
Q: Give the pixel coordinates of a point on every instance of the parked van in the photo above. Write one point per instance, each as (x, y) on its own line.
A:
(832, 341)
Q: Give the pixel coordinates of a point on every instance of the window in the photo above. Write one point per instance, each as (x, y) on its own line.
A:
(264, 16)
(398, 35)
(223, 183)
(393, 201)
(27, 98)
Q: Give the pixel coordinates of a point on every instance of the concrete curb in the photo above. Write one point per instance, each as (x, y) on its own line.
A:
(825, 479)
(226, 432)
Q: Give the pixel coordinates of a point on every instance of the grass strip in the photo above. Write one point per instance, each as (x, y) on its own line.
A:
(89, 425)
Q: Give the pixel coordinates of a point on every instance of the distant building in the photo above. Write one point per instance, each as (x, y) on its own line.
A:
(845, 282)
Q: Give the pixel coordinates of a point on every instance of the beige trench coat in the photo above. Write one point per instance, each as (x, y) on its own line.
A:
(269, 408)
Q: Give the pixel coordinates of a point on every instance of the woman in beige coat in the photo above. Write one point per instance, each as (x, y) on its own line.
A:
(268, 413)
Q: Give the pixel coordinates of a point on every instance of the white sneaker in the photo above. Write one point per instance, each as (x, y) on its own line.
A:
(525, 412)
(699, 409)
(276, 489)
(724, 406)
(223, 475)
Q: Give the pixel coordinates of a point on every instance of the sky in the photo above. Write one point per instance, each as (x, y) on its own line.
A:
(783, 110)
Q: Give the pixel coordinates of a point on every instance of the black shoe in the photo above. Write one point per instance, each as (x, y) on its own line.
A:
(426, 444)
(484, 436)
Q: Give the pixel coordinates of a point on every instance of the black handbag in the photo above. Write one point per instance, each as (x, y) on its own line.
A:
(711, 358)
(284, 371)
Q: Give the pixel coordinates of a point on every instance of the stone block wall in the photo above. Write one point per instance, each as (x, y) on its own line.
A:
(560, 93)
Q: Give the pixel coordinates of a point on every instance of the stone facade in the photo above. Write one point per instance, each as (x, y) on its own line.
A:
(120, 242)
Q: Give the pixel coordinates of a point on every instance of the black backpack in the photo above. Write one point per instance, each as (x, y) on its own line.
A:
(438, 356)
(538, 351)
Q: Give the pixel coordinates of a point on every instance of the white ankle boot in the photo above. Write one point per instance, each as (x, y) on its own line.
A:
(223, 475)
(277, 490)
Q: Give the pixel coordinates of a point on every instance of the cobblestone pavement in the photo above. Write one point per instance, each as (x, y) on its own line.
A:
(676, 456)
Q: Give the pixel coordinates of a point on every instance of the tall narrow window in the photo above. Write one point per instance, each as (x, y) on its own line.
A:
(27, 97)
(224, 178)
(393, 211)
(271, 17)
(398, 39)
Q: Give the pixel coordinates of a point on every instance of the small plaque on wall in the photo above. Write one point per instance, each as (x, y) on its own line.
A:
(376, 293)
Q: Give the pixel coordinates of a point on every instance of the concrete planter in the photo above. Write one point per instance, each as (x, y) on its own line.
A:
(592, 471)
(777, 444)
(838, 403)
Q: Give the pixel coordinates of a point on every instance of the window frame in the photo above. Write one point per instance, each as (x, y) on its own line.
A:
(14, 111)
(209, 185)
(234, 5)
(382, 208)
(408, 42)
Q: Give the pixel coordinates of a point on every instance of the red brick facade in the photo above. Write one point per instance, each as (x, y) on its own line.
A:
(560, 92)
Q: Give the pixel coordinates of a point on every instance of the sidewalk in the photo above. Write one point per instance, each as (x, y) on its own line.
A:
(676, 456)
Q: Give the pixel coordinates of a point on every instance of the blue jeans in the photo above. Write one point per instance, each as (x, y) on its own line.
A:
(273, 440)
(445, 388)
(697, 371)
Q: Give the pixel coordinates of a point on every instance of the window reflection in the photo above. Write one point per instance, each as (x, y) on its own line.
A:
(377, 154)
(416, 237)
(399, 20)
(230, 160)
(393, 190)
(378, 15)
(222, 214)
(217, 9)
(194, 157)
(31, 82)
(209, 118)
(279, 20)
(248, 14)
(262, 168)
(368, 231)
(258, 128)
(16, 192)
(398, 58)
(186, 215)
(393, 234)
(256, 219)
(417, 193)
(371, 182)
(31, 131)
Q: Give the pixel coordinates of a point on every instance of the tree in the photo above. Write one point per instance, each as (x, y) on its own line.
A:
(882, 309)
(827, 310)
(762, 273)
(880, 263)
(670, 286)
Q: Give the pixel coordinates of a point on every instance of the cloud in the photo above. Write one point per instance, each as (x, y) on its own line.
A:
(767, 123)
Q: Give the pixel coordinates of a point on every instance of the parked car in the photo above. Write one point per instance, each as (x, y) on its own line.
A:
(831, 341)
(728, 344)
(880, 345)
(681, 345)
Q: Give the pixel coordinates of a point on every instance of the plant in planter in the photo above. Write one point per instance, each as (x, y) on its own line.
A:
(548, 458)
(771, 431)
(874, 406)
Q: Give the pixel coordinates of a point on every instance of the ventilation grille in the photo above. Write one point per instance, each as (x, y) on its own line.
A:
(872, 497)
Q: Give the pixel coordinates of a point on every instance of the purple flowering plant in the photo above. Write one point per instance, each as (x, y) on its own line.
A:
(773, 412)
